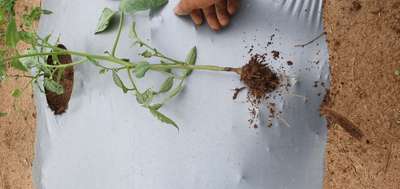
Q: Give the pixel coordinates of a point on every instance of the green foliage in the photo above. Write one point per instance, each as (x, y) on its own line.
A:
(131, 6)
(397, 72)
(34, 15)
(105, 20)
(3, 114)
(53, 86)
(16, 93)
(17, 64)
(163, 118)
(12, 35)
(117, 80)
(191, 60)
(146, 97)
(141, 69)
(2, 68)
(34, 61)
(167, 85)
(7, 6)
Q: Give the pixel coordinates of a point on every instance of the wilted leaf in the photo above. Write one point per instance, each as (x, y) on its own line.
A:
(12, 35)
(118, 82)
(16, 93)
(132, 6)
(105, 20)
(146, 54)
(177, 90)
(146, 97)
(103, 71)
(141, 69)
(191, 60)
(156, 106)
(17, 64)
(397, 72)
(132, 33)
(53, 86)
(163, 118)
(167, 85)
(30, 62)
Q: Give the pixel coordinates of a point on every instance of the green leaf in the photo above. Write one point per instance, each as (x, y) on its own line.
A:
(2, 69)
(191, 60)
(30, 62)
(105, 20)
(146, 97)
(141, 69)
(16, 93)
(2, 15)
(27, 37)
(118, 82)
(8, 6)
(12, 35)
(34, 15)
(167, 85)
(177, 90)
(163, 118)
(3, 114)
(17, 64)
(53, 86)
(132, 6)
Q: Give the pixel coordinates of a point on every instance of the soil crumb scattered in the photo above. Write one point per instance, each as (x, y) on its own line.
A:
(275, 54)
(59, 103)
(290, 63)
(258, 77)
(356, 6)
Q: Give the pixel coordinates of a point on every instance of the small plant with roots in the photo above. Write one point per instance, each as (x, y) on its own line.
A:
(50, 67)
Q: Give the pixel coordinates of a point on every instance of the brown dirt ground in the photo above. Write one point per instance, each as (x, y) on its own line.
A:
(364, 44)
(17, 129)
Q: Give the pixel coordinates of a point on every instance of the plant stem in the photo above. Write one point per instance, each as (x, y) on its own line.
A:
(125, 63)
(121, 23)
(67, 65)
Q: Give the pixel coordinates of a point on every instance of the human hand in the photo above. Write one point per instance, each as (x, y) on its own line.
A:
(216, 12)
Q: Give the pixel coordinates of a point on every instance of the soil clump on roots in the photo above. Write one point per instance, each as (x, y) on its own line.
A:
(258, 77)
(59, 103)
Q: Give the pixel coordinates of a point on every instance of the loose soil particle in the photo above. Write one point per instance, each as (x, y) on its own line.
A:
(275, 54)
(59, 103)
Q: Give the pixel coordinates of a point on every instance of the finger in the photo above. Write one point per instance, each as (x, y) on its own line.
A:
(197, 17)
(211, 18)
(233, 6)
(185, 7)
(222, 13)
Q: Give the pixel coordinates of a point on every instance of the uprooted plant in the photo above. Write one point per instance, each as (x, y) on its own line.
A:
(49, 64)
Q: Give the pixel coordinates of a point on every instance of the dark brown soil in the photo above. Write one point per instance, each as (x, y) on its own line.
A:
(59, 103)
(258, 77)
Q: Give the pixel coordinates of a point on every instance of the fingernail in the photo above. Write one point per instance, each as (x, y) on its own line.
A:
(179, 11)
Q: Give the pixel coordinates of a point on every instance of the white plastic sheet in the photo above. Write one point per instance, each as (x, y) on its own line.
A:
(105, 140)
